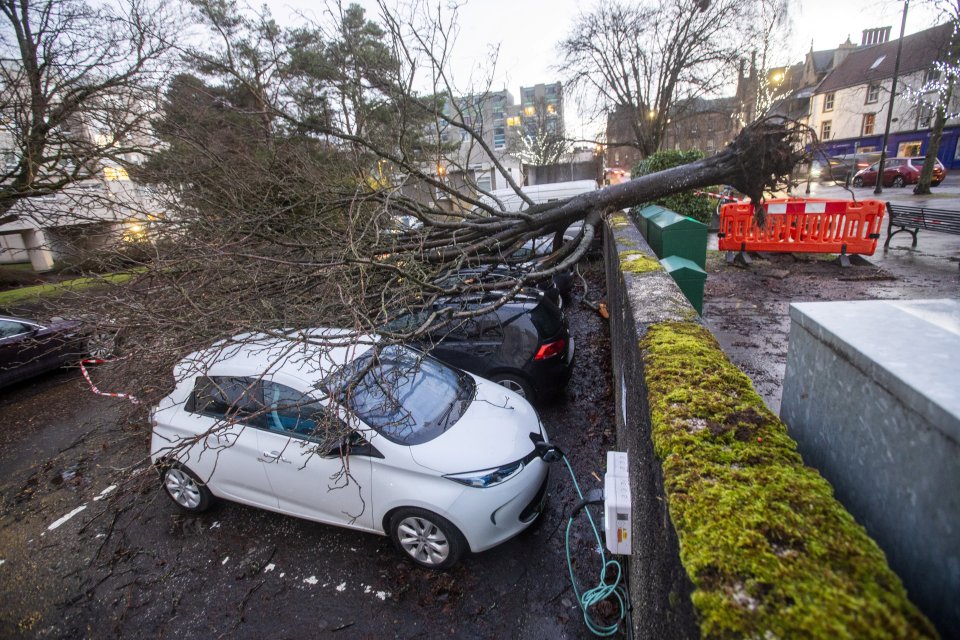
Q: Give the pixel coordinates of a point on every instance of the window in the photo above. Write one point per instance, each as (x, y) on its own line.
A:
(499, 138)
(924, 117)
(825, 127)
(869, 120)
(483, 179)
(873, 92)
(828, 101)
(294, 413)
(225, 397)
(407, 397)
(8, 328)
(932, 75)
(878, 62)
(911, 148)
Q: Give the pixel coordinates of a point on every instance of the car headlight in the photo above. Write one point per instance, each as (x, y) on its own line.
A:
(487, 477)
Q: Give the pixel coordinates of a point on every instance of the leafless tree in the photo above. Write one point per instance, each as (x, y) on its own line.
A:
(539, 139)
(77, 84)
(644, 59)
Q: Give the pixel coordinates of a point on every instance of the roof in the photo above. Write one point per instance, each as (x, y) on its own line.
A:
(309, 354)
(822, 60)
(869, 64)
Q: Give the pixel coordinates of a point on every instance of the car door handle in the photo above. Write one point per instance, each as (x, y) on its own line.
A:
(274, 456)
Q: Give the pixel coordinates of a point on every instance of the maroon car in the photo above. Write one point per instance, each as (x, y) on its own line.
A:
(29, 348)
(898, 172)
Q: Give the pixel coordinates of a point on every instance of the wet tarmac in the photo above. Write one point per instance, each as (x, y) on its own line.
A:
(747, 309)
(90, 547)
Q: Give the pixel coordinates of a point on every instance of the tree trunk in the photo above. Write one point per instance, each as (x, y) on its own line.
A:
(926, 174)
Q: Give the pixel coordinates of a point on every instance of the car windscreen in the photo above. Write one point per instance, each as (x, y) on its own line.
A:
(407, 397)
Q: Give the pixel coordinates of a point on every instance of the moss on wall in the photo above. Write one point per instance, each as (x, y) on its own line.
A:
(638, 262)
(769, 550)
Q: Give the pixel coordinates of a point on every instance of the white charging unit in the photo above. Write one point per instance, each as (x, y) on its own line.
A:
(616, 503)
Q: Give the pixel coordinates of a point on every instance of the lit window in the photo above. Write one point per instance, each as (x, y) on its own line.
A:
(551, 109)
(825, 129)
(513, 122)
(529, 111)
(869, 120)
(115, 173)
(828, 102)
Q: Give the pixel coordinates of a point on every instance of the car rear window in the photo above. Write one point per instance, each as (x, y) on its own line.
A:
(547, 318)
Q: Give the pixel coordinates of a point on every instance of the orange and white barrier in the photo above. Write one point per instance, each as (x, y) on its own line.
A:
(803, 226)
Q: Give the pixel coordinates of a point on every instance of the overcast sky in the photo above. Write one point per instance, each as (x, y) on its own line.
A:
(527, 31)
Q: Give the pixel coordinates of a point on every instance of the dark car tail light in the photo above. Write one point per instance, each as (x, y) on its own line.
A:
(550, 349)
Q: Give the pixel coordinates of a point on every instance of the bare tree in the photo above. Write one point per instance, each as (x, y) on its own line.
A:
(643, 60)
(540, 140)
(78, 84)
(937, 94)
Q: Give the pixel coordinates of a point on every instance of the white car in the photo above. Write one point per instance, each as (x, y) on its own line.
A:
(440, 460)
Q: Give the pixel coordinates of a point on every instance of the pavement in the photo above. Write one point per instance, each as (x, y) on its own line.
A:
(747, 309)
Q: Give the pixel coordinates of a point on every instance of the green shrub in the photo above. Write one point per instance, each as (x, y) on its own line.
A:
(770, 551)
(686, 203)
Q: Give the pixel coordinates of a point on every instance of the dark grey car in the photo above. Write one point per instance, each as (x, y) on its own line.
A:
(29, 348)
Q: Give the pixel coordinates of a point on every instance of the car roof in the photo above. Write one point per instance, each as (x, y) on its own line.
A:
(312, 354)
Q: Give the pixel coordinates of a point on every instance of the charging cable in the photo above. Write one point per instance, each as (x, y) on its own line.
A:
(611, 572)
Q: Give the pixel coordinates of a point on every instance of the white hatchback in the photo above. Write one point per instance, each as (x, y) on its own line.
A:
(440, 460)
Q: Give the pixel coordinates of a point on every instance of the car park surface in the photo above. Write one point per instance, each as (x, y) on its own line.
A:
(129, 565)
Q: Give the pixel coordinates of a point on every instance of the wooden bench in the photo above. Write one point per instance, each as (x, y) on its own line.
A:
(912, 219)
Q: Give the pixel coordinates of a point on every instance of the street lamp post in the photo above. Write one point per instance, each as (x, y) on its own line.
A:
(893, 92)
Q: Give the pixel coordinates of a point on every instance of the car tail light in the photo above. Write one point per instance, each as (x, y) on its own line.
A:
(550, 349)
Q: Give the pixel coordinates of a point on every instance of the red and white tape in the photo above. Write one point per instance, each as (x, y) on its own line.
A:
(94, 388)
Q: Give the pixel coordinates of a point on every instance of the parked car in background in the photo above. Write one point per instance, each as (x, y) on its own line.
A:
(899, 172)
(440, 461)
(829, 170)
(846, 166)
(29, 348)
(524, 345)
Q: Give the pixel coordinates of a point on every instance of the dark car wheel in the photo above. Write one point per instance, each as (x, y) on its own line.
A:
(515, 383)
(427, 539)
(858, 181)
(103, 344)
(898, 182)
(186, 489)
(936, 184)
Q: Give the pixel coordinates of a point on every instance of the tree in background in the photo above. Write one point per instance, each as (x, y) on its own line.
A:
(79, 83)
(686, 203)
(540, 140)
(644, 59)
(937, 93)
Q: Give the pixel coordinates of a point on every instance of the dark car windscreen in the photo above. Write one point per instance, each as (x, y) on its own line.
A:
(406, 396)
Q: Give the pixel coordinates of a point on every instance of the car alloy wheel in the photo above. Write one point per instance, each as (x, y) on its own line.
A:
(426, 538)
(515, 384)
(858, 182)
(898, 182)
(185, 490)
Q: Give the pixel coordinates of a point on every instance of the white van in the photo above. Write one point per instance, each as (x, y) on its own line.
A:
(539, 193)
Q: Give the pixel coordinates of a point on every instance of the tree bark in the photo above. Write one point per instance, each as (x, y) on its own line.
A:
(926, 173)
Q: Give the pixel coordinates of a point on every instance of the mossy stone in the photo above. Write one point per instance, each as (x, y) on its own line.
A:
(769, 550)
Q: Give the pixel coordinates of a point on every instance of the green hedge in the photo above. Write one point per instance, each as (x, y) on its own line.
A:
(770, 552)
(686, 203)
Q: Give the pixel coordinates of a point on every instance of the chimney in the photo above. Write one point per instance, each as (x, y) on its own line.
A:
(878, 35)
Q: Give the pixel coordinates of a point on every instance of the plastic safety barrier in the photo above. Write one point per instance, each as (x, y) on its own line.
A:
(803, 226)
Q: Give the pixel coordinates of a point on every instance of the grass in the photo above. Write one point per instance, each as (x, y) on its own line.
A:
(25, 295)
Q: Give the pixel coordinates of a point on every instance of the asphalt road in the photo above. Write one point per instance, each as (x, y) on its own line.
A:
(91, 548)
